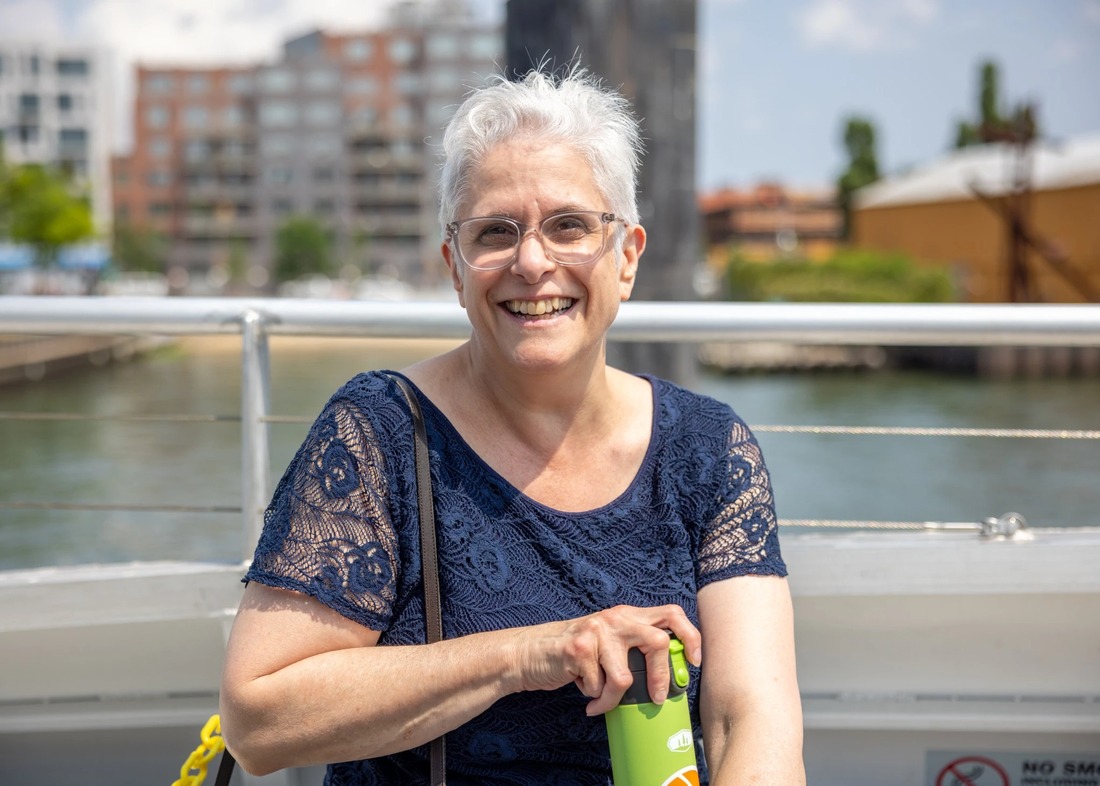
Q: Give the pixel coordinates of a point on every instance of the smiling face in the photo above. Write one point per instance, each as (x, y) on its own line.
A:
(536, 314)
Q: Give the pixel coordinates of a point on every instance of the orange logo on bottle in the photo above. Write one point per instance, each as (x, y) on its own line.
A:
(688, 776)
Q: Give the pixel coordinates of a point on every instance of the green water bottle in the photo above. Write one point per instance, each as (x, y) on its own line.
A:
(652, 744)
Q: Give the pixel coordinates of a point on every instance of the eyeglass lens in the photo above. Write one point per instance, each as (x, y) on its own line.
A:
(569, 239)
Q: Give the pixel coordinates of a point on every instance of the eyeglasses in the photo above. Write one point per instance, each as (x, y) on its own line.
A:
(492, 242)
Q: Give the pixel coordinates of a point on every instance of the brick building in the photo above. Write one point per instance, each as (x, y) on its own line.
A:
(768, 221)
(341, 127)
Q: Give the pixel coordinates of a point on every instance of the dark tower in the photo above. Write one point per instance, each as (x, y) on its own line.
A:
(645, 49)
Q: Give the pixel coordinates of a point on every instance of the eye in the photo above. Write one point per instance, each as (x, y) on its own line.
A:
(568, 227)
(493, 233)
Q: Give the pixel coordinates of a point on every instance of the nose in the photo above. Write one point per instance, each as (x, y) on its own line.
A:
(532, 261)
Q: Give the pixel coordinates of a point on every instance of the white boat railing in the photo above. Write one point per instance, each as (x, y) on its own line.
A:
(255, 319)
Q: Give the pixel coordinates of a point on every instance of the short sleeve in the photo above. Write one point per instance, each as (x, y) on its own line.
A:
(741, 535)
(328, 531)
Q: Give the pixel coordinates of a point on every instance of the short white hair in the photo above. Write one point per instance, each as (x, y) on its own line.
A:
(574, 108)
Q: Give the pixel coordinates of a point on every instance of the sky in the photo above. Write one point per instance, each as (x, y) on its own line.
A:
(776, 78)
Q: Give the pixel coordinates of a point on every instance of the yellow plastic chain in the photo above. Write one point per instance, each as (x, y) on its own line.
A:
(193, 771)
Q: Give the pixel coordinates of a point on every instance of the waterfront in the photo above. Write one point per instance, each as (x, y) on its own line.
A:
(816, 476)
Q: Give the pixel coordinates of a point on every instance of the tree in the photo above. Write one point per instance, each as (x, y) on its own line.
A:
(859, 141)
(138, 249)
(41, 208)
(301, 248)
(1019, 126)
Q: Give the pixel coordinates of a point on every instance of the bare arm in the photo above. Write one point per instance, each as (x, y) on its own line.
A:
(304, 685)
(749, 701)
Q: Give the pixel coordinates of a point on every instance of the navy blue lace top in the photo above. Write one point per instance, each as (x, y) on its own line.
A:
(342, 527)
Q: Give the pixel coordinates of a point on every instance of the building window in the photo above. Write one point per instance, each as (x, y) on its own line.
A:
(158, 178)
(160, 147)
(325, 145)
(323, 113)
(402, 50)
(407, 83)
(278, 114)
(402, 116)
(64, 102)
(160, 208)
(198, 83)
(72, 144)
(485, 46)
(365, 115)
(279, 175)
(443, 46)
(196, 150)
(33, 65)
(277, 80)
(322, 79)
(240, 84)
(357, 49)
(156, 116)
(277, 145)
(27, 134)
(362, 85)
(282, 206)
(28, 104)
(232, 116)
(159, 84)
(73, 67)
(195, 117)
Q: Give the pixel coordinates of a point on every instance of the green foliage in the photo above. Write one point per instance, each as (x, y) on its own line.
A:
(859, 141)
(138, 249)
(849, 276)
(993, 125)
(301, 249)
(39, 207)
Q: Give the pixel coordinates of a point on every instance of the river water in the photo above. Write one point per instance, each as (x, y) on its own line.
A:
(1052, 482)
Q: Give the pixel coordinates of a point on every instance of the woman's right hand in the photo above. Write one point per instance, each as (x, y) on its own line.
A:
(592, 651)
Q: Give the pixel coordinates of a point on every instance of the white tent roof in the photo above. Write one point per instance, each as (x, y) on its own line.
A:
(991, 169)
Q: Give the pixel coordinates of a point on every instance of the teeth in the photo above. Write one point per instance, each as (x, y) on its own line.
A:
(534, 308)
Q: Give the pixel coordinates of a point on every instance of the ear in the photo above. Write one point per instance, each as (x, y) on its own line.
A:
(633, 246)
(457, 270)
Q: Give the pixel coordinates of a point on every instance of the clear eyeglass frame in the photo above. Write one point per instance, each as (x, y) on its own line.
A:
(605, 218)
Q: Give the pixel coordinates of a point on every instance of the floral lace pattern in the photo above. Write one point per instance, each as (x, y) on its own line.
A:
(342, 527)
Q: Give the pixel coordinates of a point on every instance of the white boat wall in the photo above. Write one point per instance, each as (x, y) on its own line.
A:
(938, 656)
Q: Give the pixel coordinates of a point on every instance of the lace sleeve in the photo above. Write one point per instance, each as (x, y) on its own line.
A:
(328, 531)
(741, 537)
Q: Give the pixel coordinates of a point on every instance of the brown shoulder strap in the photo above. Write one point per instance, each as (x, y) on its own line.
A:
(429, 561)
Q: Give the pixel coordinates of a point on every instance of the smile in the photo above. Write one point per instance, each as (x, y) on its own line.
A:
(538, 308)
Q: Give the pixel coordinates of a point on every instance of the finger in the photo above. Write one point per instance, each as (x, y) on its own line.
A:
(617, 678)
(657, 674)
(678, 622)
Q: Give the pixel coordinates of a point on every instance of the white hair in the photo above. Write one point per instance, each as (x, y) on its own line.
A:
(574, 108)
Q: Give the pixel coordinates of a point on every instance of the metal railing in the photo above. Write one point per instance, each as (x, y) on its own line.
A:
(257, 319)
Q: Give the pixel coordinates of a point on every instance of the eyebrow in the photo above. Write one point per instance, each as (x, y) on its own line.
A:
(570, 207)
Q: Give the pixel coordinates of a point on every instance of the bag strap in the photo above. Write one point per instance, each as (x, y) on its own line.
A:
(429, 559)
(429, 565)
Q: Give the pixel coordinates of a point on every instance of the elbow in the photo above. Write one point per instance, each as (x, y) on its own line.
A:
(250, 736)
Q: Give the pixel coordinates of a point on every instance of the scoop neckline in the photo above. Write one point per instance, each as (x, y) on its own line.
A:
(437, 414)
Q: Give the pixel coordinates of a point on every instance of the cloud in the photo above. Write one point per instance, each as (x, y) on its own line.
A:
(863, 25)
(179, 32)
(31, 20)
(1090, 9)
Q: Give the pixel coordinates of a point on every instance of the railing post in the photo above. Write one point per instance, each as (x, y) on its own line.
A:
(255, 402)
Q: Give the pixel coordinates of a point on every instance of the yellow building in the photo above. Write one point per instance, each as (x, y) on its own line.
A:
(934, 215)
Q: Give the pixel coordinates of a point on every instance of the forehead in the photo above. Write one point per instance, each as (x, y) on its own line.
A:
(527, 179)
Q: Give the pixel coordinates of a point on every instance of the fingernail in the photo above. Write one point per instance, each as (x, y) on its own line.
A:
(697, 656)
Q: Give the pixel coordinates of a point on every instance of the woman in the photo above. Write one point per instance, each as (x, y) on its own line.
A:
(582, 511)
